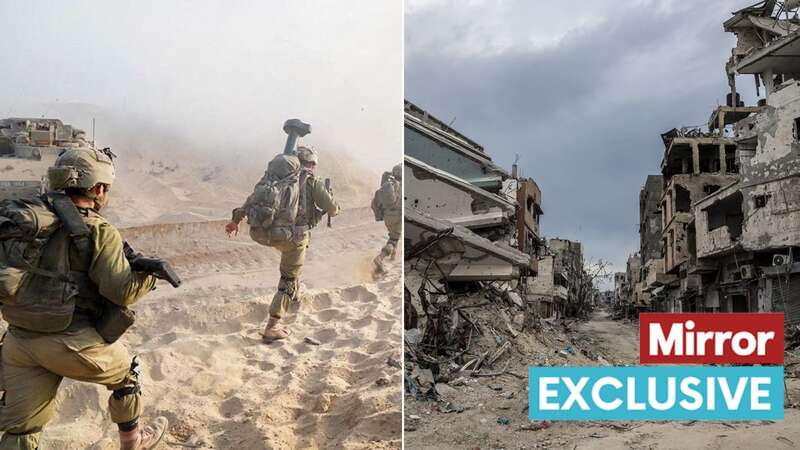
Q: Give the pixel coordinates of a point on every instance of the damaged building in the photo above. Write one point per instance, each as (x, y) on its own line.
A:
(457, 210)
(730, 207)
(469, 220)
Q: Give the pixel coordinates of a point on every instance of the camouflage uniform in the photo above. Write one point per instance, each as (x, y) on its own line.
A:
(33, 364)
(387, 205)
(315, 201)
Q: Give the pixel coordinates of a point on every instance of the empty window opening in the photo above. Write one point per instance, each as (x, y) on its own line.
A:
(679, 161)
(709, 158)
(739, 303)
(731, 163)
(761, 200)
(727, 212)
(683, 199)
(710, 188)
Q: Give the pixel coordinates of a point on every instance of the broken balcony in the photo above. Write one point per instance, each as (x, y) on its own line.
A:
(458, 253)
(446, 196)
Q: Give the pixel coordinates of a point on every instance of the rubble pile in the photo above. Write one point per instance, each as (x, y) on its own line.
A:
(483, 332)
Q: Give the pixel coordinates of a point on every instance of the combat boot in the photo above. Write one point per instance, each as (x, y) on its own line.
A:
(274, 331)
(146, 438)
(377, 266)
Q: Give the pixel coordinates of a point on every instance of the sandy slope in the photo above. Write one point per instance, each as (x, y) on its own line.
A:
(206, 369)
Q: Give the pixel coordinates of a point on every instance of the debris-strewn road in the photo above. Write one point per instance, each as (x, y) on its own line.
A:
(495, 414)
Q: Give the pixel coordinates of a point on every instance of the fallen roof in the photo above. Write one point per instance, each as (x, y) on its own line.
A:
(469, 238)
(732, 114)
(780, 55)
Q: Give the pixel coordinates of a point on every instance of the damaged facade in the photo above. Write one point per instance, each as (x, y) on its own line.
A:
(456, 209)
(730, 207)
(469, 220)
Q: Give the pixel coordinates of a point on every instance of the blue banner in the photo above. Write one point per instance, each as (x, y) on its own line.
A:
(656, 393)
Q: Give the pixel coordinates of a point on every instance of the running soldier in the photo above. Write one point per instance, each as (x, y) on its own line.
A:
(387, 205)
(285, 205)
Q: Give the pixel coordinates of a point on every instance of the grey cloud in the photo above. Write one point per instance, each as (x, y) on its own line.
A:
(585, 115)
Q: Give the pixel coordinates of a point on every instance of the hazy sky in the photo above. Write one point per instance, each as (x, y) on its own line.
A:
(580, 90)
(230, 71)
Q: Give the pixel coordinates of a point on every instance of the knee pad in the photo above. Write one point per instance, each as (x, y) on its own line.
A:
(130, 385)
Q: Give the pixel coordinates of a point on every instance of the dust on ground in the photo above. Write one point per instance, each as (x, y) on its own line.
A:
(495, 414)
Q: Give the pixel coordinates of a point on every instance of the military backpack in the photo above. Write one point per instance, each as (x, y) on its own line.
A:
(388, 198)
(37, 289)
(274, 202)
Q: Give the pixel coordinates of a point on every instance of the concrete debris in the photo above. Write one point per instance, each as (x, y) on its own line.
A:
(449, 407)
(445, 391)
(514, 298)
(311, 340)
(412, 336)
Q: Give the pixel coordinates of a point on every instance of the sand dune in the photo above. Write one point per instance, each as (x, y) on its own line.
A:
(207, 370)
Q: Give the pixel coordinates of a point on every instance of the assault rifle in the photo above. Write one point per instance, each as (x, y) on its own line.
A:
(154, 266)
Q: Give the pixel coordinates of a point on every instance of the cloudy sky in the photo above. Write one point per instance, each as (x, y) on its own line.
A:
(225, 71)
(580, 90)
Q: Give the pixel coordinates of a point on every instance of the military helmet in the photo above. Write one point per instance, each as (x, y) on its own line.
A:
(307, 155)
(81, 167)
(397, 171)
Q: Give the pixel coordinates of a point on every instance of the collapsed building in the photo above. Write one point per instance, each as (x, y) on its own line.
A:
(456, 205)
(730, 207)
(471, 220)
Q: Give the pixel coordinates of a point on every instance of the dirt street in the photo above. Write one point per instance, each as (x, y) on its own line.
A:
(488, 402)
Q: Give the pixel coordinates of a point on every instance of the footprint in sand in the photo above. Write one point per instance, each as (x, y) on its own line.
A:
(326, 335)
(380, 346)
(362, 322)
(359, 294)
(328, 314)
(355, 357)
(321, 301)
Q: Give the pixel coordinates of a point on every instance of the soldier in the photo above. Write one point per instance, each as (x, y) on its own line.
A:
(288, 228)
(35, 358)
(387, 205)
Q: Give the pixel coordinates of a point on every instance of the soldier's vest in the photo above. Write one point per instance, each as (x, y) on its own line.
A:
(38, 289)
(275, 204)
(388, 199)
